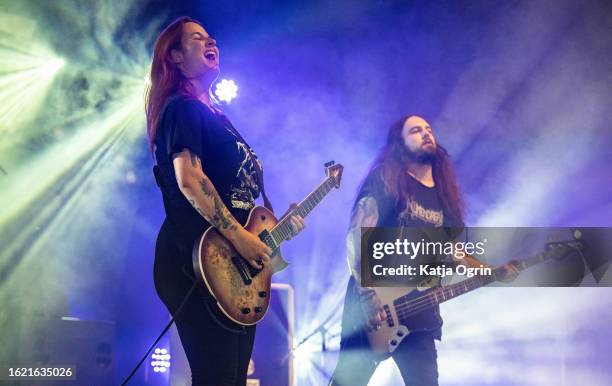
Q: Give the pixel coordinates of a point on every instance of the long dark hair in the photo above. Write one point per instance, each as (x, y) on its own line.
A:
(166, 78)
(391, 165)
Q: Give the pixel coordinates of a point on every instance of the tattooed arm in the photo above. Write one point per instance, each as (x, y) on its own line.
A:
(365, 214)
(201, 193)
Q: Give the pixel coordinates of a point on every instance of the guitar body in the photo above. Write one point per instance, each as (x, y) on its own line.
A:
(241, 293)
(397, 327)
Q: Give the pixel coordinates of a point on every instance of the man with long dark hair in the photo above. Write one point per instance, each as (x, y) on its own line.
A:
(411, 184)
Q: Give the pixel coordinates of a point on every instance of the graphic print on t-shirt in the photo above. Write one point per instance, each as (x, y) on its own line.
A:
(243, 194)
(415, 211)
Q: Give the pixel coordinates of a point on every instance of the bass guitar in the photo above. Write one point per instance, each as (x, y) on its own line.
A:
(404, 306)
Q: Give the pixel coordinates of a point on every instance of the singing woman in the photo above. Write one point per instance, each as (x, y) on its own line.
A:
(208, 176)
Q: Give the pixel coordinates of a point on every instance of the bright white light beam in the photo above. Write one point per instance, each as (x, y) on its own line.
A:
(226, 90)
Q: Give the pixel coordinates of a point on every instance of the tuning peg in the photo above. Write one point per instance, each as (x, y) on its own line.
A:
(330, 163)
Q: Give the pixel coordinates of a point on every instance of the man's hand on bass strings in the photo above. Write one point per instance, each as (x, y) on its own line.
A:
(372, 307)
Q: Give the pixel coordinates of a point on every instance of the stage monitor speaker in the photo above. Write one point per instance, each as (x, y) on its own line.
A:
(88, 345)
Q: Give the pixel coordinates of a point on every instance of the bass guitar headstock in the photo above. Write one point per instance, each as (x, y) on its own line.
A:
(335, 171)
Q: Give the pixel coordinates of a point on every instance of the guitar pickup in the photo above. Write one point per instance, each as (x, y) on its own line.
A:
(388, 314)
(243, 271)
(246, 271)
(252, 270)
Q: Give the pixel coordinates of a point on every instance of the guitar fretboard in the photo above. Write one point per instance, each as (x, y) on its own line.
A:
(282, 231)
(407, 305)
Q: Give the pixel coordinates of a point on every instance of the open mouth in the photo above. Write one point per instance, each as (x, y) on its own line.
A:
(210, 55)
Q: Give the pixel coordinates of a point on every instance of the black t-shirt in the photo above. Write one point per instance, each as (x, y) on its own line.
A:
(423, 209)
(186, 122)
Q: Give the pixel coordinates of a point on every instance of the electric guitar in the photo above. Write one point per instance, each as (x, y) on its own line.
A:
(242, 291)
(403, 305)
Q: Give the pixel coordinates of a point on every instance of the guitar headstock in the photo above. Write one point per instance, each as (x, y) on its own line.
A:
(335, 171)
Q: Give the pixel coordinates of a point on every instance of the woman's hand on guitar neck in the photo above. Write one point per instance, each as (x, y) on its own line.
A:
(372, 307)
(250, 247)
(296, 221)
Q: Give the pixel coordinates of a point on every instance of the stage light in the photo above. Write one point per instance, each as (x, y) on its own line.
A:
(306, 358)
(24, 83)
(53, 66)
(161, 360)
(304, 353)
(226, 90)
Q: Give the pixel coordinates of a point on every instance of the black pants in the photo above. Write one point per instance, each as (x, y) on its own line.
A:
(416, 356)
(217, 349)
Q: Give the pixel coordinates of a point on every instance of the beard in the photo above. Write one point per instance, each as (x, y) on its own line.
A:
(425, 156)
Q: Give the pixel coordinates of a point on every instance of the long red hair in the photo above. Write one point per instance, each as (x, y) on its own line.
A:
(391, 163)
(165, 77)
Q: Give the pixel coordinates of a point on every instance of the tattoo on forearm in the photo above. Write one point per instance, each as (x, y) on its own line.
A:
(221, 217)
(195, 206)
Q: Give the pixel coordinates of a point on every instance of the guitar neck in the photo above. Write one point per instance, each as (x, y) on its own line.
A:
(444, 293)
(282, 231)
(449, 292)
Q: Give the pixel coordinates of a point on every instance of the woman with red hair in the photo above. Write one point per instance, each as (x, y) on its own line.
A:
(208, 176)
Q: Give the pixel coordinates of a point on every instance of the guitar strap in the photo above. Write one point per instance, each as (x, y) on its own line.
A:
(260, 180)
(256, 165)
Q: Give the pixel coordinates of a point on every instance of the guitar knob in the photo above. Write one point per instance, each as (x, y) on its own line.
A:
(393, 342)
(400, 333)
(246, 310)
(263, 294)
(258, 310)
